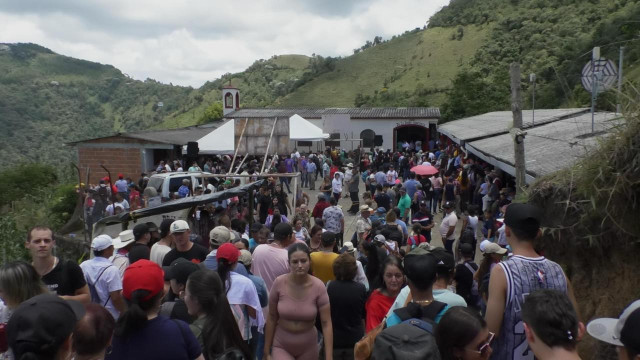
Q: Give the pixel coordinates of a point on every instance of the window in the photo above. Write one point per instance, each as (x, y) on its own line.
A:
(334, 140)
(228, 100)
(367, 137)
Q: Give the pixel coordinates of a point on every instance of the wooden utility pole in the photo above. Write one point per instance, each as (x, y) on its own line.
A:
(518, 139)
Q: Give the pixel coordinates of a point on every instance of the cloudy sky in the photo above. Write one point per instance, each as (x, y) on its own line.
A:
(188, 42)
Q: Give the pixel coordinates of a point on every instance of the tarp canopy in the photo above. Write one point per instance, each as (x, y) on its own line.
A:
(219, 141)
(182, 203)
(301, 129)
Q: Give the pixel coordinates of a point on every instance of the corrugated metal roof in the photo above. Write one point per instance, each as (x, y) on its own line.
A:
(179, 136)
(354, 113)
(550, 147)
(498, 122)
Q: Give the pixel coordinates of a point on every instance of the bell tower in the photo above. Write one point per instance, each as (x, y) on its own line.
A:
(230, 99)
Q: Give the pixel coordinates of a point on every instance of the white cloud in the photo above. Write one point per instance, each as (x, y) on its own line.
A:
(190, 42)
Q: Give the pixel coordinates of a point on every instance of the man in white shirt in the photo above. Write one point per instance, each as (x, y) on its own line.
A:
(448, 226)
(103, 278)
(392, 175)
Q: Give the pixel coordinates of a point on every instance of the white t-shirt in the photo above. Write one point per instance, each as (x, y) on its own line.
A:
(449, 220)
(158, 251)
(105, 278)
(336, 186)
(392, 175)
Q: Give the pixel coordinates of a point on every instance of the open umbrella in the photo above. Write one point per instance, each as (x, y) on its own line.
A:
(424, 170)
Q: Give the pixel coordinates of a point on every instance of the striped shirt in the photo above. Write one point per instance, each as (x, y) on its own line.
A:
(524, 276)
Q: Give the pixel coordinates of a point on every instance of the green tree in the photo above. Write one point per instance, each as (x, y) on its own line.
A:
(212, 113)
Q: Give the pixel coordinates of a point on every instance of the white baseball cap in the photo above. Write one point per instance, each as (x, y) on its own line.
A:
(624, 331)
(101, 242)
(178, 226)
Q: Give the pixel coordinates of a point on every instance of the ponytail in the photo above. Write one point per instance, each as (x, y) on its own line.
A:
(135, 317)
(224, 270)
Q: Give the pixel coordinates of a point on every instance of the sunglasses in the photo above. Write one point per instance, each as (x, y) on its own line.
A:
(484, 347)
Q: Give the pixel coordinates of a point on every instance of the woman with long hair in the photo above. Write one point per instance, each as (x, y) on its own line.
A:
(141, 333)
(215, 326)
(325, 187)
(295, 301)
(301, 233)
(241, 293)
(462, 334)
(375, 258)
(381, 299)
(19, 281)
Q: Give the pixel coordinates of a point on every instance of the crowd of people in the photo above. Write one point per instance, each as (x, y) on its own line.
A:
(284, 280)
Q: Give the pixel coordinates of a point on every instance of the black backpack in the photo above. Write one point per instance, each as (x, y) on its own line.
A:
(411, 339)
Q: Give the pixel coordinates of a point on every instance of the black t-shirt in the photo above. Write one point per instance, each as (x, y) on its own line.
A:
(464, 281)
(265, 203)
(348, 299)
(65, 278)
(139, 251)
(383, 200)
(196, 254)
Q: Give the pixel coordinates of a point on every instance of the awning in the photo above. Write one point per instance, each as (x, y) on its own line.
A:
(301, 129)
(219, 141)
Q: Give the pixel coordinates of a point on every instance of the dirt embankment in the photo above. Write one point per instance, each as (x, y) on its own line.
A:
(592, 228)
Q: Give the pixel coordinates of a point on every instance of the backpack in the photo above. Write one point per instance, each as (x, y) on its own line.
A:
(411, 339)
(95, 298)
(475, 300)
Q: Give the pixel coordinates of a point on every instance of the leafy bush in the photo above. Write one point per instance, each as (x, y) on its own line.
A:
(25, 179)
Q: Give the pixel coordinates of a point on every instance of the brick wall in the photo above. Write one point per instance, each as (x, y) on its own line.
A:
(118, 160)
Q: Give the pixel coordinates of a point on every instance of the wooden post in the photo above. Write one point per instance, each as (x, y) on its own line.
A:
(266, 153)
(295, 192)
(516, 108)
(242, 162)
(251, 195)
(246, 120)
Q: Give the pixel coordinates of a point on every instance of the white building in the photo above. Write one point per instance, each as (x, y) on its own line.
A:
(380, 127)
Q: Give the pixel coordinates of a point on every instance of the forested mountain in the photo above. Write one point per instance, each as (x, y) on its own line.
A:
(459, 61)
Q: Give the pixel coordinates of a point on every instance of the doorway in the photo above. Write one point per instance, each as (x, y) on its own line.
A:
(415, 134)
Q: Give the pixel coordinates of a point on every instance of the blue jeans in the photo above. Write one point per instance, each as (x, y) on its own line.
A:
(285, 181)
(437, 195)
(305, 179)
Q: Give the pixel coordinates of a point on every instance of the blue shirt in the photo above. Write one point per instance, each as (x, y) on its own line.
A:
(410, 185)
(311, 167)
(403, 225)
(183, 191)
(381, 178)
(161, 339)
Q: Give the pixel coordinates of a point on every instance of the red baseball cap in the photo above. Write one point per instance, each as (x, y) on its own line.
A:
(143, 275)
(120, 176)
(229, 252)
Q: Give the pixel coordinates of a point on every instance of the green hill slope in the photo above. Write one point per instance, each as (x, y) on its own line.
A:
(425, 58)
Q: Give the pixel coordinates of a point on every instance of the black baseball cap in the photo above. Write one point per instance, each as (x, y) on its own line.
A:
(466, 248)
(179, 270)
(140, 230)
(444, 259)
(525, 217)
(42, 321)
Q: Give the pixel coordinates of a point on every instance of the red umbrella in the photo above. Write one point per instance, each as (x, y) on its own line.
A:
(424, 170)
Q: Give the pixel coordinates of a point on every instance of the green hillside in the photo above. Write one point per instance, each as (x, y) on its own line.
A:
(459, 62)
(428, 59)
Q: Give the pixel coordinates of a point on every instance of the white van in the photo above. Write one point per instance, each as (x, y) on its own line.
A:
(167, 183)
